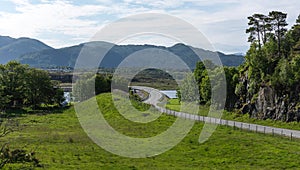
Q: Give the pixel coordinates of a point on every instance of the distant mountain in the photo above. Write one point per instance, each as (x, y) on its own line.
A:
(5, 40)
(67, 56)
(11, 49)
(242, 54)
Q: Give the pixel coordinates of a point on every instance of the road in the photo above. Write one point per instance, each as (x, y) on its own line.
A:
(155, 96)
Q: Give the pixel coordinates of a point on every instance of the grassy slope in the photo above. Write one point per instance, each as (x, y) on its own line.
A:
(60, 143)
(173, 104)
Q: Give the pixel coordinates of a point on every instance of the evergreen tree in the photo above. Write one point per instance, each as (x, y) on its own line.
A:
(278, 21)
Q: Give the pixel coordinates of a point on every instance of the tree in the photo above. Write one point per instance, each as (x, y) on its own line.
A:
(4, 98)
(266, 28)
(298, 20)
(231, 74)
(178, 94)
(202, 79)
(284, 73)
(253, 30)
(295, 35)
(57, 93)
(84, 88)
(39, 88)
(198, 72)
(102, 84)
(268, 84)
(205, 90)
(296, 68)
(13, 81)
(189, 89)
(21, 85)
(259, 29)
(278, 22)
(119, 83)
(90, 85)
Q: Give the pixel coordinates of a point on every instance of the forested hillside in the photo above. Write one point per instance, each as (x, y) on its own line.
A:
(11, 49)
(68, 56)
(269, 81)
(267, 85)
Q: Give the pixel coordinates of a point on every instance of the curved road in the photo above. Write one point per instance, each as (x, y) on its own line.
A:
(155, 96)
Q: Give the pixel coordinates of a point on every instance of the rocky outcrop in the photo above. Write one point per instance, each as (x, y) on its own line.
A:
(263, 101)
(269, 105)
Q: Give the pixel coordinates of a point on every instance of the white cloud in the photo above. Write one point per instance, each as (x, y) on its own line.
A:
(58, 17)
(212, 2)
(221, 21)
(20, 2)
(227, 25)
(162, 4)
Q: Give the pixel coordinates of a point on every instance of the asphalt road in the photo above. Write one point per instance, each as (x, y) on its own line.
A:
(155, 96)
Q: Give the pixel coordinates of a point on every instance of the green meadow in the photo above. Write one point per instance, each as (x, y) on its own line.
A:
(60, 143)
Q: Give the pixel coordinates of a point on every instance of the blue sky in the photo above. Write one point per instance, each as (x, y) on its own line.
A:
(61, 23)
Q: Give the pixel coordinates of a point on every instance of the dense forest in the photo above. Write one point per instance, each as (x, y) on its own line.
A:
(267, 85)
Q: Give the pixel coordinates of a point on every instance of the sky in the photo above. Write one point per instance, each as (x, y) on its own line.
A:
(62, 23)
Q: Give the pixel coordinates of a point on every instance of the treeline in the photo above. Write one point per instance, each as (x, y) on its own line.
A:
(267, 85)
(88, 86)
(201, 77)
(22, 86)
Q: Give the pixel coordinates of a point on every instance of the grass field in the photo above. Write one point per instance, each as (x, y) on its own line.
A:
(60, 143)
(173, 104)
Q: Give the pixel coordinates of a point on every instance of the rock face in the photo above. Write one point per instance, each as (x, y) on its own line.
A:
(265, 102)
(269, 105)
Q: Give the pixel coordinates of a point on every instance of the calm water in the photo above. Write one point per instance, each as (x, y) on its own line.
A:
(170, 93)
(67, 96)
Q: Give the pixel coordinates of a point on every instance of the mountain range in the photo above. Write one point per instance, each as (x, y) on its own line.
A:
(38, 54)
(12, 49)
